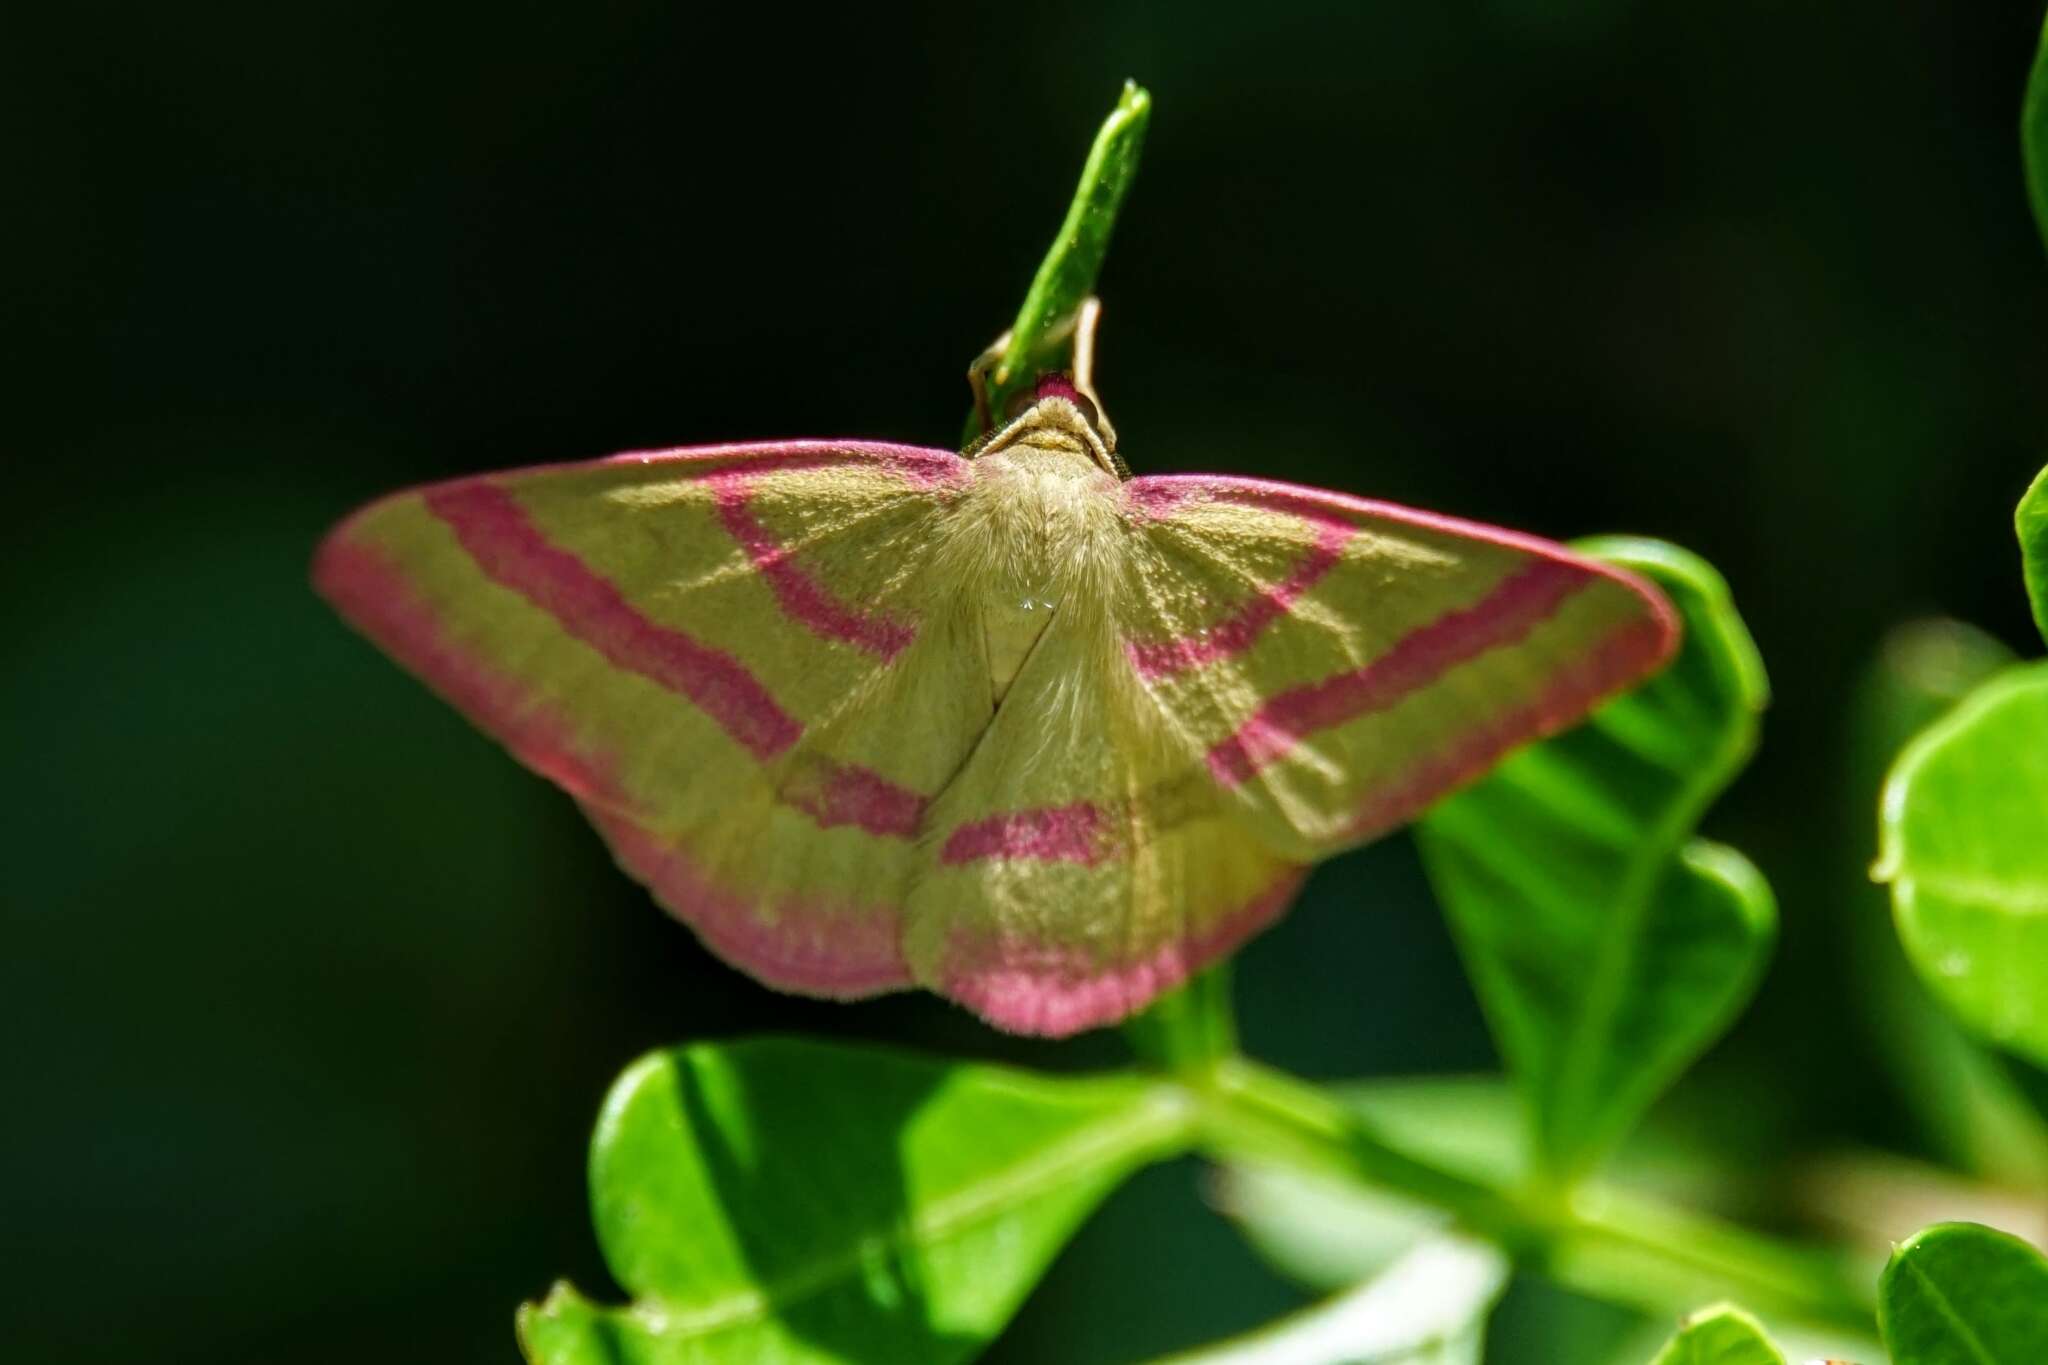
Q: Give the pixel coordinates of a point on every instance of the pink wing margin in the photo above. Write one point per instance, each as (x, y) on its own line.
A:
(1556, 632)
(404, 569)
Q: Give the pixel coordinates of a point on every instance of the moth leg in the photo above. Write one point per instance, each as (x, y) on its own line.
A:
(977, 377)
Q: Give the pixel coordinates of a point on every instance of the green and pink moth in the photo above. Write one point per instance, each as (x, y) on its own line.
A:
(1008, 724)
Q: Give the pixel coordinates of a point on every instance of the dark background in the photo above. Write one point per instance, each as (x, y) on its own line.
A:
(309, 994)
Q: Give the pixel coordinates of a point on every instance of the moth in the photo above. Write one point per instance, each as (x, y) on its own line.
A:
(1008, 724)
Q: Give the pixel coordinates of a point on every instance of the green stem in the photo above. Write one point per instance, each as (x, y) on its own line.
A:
(1041, 337)
(1614, 1247)
(1190, 1029)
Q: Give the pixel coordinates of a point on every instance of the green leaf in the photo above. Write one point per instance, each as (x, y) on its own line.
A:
(2034, 136)
(1962, 1294)
(1722, 1335)
(2031, 520)
(1971, 1112)
(1607, 947)
(1963, 840)
(1430, 1306)
(789, 1201)
(1040, 339)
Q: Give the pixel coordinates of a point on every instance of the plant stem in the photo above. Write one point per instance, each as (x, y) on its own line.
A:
(1190, 1029)
(1614, 1247)
(1041, 336)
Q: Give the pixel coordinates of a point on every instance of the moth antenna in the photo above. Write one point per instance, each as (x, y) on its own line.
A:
(1086, 324)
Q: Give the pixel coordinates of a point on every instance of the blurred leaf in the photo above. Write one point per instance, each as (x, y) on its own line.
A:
(1923, 668)
(2028, 1081)
(795, 1201)
(1972, 1113)
(1607, 947)
(2034, 143)
(2031, 520)
(1963, 841)
(1963, 1294)
(1430, 1306)
(1328, 1233)
(1722, 1335)
(1794, 1341)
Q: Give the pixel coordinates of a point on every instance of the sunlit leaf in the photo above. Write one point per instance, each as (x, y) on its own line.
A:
(1722, 1335)
(1963, 1294)
(1964, 844)
(1607, 945)
(1971, 1111)
(1428, 1308)
(787, 1201)
(2031, 521)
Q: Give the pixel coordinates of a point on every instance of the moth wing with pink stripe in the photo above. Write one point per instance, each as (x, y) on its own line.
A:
(1084, 861)
(1339, 664)
(726, 655)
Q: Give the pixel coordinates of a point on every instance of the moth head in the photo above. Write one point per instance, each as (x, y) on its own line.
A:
(1056, 405)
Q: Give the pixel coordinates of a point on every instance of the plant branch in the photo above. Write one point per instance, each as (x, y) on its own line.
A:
(1041, 337)
(1612, 1246)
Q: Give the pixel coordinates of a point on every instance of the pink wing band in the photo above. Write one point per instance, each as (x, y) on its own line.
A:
(800, 596)
(1074, 833)
(1619, 659)
(1239, 631)
(822, 949)
(1027, 985)
(368, 591)
(803, 943)
(1516, 606)
(512, 552)
(847, 794)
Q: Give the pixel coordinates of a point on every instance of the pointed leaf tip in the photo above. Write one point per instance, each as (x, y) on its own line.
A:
(1964, 1294)
(1963, 841)
(1720, 1335)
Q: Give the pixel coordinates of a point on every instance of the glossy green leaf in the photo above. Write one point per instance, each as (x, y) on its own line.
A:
(2031, 520)
(1428, 1308)
(781, 1201)
(1722, 1335)
(1964, 843)
(1963, 1294)
(1609, 947)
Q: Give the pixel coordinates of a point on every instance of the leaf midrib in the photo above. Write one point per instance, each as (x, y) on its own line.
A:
(1947, 1310)
(1155, 1120)
(1576, 1069)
